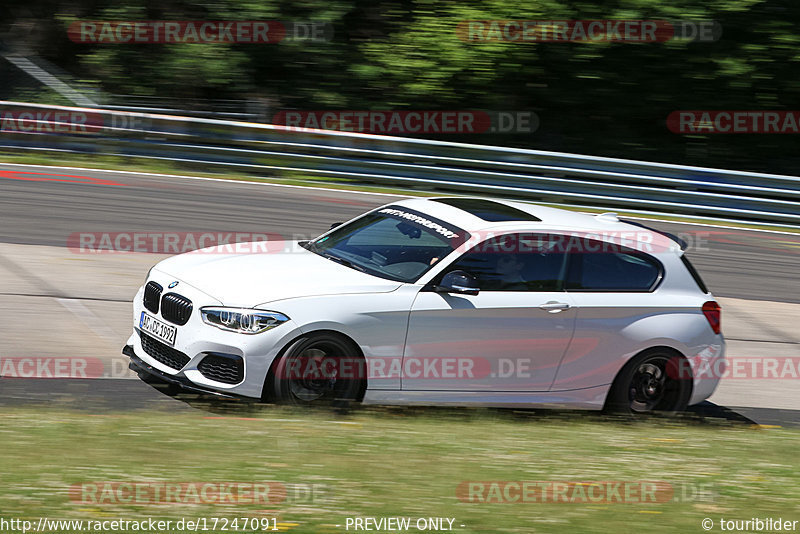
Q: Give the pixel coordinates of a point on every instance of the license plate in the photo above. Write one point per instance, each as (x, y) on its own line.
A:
(158, 329)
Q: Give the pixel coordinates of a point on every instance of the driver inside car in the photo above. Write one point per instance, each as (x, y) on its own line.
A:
(509, 270)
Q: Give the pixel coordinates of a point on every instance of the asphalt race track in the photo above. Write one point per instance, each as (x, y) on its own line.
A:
(44, 206)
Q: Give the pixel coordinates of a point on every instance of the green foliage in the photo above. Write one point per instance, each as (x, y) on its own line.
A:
(602, 98)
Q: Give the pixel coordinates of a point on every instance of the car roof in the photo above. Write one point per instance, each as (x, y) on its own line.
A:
(463, 213)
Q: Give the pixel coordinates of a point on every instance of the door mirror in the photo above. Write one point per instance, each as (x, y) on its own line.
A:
(459, 282)
(334, 225)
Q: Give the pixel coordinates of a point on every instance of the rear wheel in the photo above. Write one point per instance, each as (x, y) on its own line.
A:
(323, 369)
(650, 383)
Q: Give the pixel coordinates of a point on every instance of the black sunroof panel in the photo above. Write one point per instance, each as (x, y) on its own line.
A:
(487, 210)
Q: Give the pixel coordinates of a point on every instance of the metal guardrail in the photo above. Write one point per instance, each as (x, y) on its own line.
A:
(272, 150)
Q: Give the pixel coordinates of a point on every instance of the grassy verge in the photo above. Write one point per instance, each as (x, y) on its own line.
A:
(119, 163)
(301, 179)
(384, 463)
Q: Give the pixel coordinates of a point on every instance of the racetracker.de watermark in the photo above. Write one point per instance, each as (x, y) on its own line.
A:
(582, 492)
(197, 31)
(179, 242)
(71, 122)
(411, 121)
(429, 367)
(701, 367)
(66, 367)
(55, 122)
(587, 31)
(484, 242)
(734, 122)
(157, 492)
(581, 242)
(452, 367)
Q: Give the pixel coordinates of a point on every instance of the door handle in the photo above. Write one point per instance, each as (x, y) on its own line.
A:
(554, 306)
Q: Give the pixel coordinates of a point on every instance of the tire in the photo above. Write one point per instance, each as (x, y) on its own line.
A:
(649, 383)
(321, 369)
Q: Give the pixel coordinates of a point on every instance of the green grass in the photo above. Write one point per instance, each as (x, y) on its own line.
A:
(120, 163)
(302, 179)
(409, 463)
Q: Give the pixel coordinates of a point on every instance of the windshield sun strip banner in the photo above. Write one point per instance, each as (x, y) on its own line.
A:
(452, 234)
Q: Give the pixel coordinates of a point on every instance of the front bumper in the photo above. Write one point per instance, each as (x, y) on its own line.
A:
(195, 340)
(140, 366)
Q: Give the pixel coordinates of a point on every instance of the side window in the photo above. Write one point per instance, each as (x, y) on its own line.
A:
(602, 268)
(517, 262)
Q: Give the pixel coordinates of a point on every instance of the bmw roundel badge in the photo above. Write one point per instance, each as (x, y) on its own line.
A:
(173, 284)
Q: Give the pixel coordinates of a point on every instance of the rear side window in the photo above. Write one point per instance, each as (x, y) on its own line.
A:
(620, 269)
(694, 273)
(514, 262)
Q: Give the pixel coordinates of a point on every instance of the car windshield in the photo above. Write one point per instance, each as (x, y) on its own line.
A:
(395, 243)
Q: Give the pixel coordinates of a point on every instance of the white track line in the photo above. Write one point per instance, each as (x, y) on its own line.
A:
(226, 180)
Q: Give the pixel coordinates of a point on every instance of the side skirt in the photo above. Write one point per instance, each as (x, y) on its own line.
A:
(577, 399)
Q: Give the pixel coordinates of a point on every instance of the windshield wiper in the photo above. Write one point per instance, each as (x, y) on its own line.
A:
(312, 247)
(346, 263)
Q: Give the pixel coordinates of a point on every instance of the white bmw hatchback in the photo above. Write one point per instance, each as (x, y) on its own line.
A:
(459, 301)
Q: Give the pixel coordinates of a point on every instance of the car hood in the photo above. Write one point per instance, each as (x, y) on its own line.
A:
(247, 280)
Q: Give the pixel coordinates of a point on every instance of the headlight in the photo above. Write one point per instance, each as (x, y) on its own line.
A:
(242, 320)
